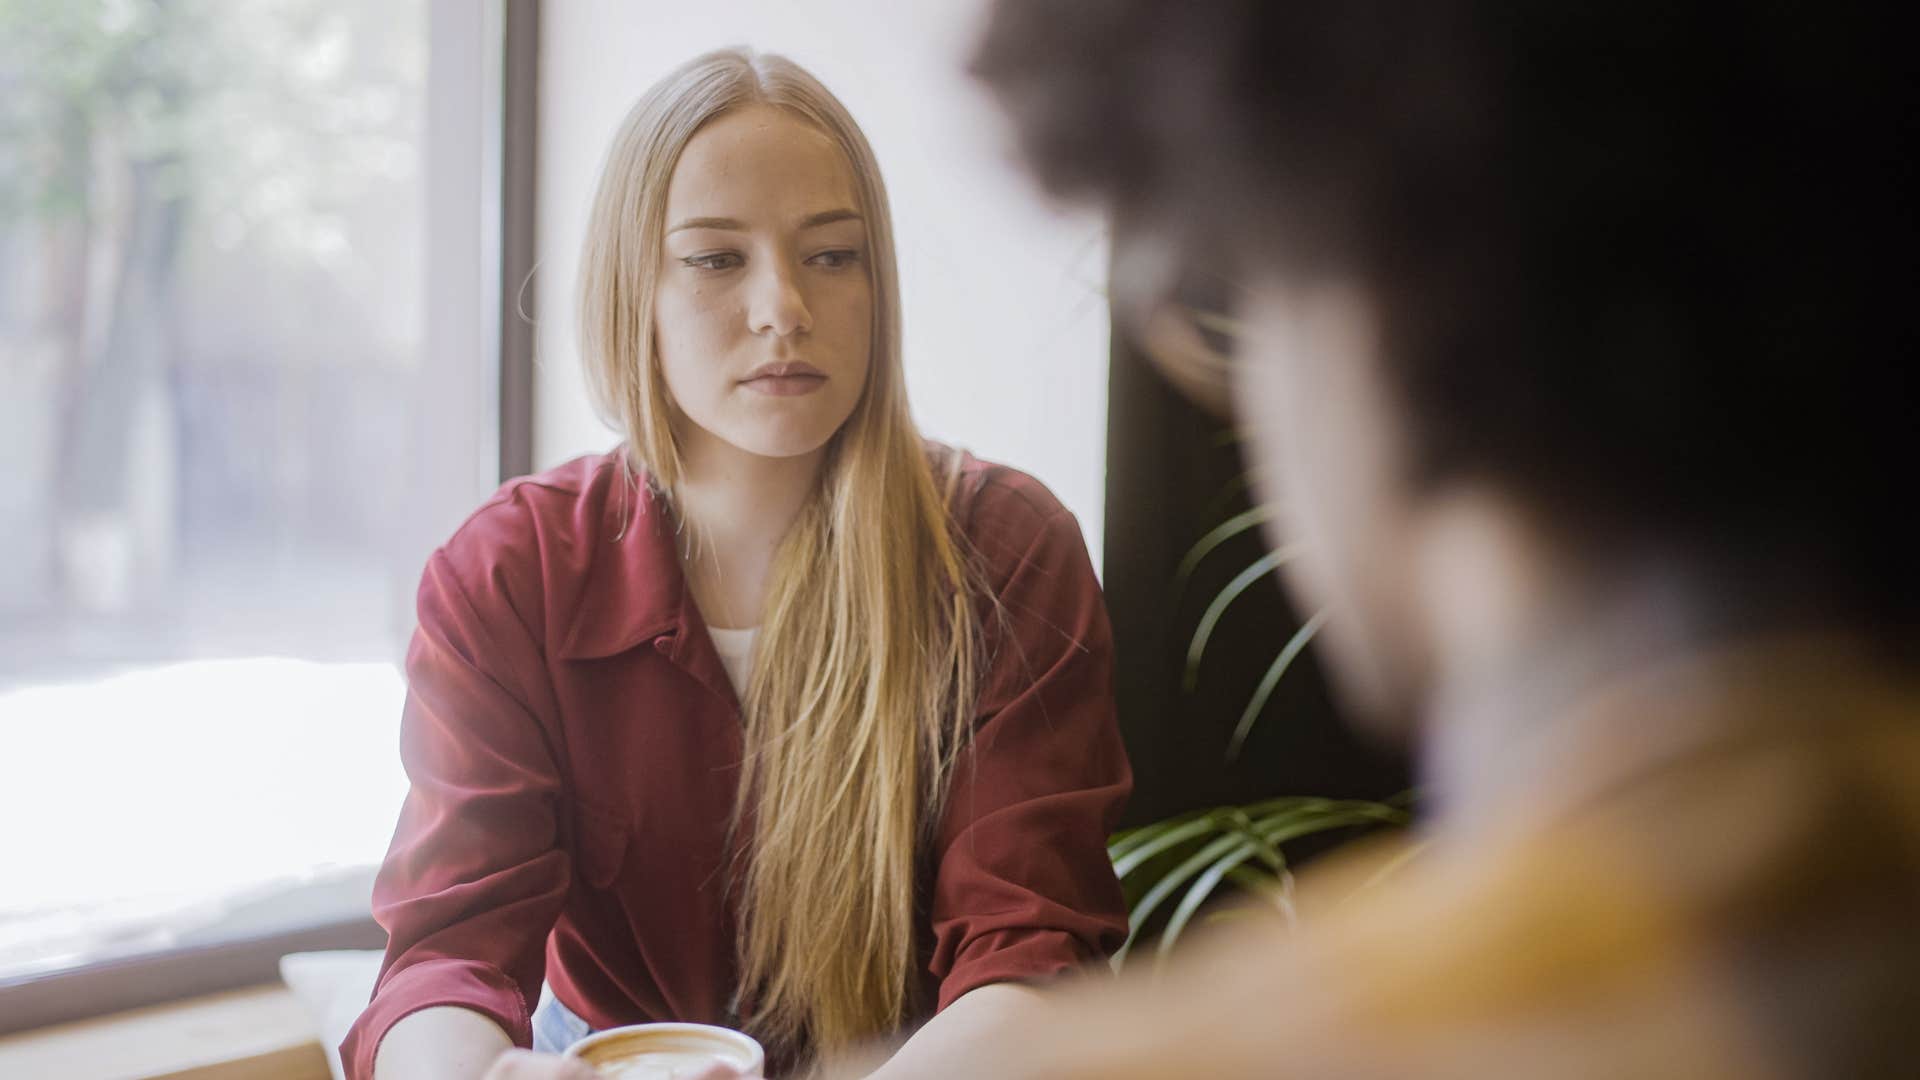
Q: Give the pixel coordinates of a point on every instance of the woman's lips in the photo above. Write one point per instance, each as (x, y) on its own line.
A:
(786, 385)
(786, 379)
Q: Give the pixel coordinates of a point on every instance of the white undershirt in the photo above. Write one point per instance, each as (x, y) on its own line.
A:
(736, 654)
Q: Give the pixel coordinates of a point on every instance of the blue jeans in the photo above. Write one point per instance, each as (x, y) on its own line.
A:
(556, 1027)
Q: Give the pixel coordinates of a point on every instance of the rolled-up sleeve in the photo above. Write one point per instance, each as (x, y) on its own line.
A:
(1023, 889)
(476, 874)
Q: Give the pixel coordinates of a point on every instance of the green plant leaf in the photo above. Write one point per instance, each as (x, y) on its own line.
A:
(1285, 802)
(1242, 581)
(1238, 820)
(1219, 534)
(1318, 808)
(1272, 888)
(1123, 843)
(1228, 838)
(1127, 839)
(1197, 894)
(1225, 496)
(1162, 841)
(1281, 828)
(1165, 887)
(1231, 914)
(1264, 692)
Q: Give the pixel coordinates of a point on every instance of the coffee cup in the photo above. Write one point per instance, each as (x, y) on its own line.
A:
(667, 1051)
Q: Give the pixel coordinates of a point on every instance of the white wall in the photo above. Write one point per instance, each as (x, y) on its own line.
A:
(1006, 320)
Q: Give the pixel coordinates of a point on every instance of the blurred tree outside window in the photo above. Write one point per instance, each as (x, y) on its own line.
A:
(211, 264)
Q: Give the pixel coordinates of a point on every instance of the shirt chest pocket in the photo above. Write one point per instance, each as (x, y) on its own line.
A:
(600, 842)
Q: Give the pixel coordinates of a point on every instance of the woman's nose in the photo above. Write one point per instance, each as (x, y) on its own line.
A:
(778, 308)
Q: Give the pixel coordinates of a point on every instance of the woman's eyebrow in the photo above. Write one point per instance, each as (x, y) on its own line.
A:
(728, 224)
(828, 217)
(824, 217)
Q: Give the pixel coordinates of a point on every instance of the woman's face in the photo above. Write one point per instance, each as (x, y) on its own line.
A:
(763, 314)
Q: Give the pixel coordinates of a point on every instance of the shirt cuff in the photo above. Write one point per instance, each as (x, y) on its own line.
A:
(483, 988)
(1024, 955)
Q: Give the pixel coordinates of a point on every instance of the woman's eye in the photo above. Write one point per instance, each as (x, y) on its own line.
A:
(837, 259)
(719, 260)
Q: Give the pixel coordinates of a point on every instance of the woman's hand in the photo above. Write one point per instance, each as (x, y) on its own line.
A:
(527, 1065)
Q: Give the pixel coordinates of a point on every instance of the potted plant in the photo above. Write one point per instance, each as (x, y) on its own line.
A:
(1188, 865)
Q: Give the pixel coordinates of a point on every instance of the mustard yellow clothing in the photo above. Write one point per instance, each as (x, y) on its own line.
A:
(1710, 869)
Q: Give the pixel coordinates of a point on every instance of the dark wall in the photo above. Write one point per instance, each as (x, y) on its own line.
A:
(1171, 476)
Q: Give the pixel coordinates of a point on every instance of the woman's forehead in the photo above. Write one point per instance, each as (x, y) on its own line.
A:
(762, 166)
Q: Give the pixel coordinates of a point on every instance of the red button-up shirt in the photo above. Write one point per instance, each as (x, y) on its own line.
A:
(574, 745)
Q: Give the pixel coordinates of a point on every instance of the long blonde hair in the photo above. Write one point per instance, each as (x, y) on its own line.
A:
(864, 679)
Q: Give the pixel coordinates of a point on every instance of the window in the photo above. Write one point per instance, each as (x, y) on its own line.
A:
(229, 441)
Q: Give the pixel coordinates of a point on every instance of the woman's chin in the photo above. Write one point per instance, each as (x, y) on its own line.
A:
(782, 444)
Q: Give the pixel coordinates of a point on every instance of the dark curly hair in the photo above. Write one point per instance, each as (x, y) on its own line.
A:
(1650, 265)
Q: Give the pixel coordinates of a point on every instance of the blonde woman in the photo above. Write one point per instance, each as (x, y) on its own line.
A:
(777, 716)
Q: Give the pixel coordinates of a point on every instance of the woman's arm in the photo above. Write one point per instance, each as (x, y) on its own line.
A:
(477, 871)
(1022, 887)
(445, 1042)
(448, 1042)
(963, 1041)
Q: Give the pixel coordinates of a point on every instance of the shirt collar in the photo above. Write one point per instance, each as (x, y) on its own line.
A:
(633, 589)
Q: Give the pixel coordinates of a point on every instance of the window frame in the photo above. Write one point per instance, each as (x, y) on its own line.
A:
(485, 53)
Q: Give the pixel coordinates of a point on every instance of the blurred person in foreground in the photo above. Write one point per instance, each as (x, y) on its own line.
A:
(1571, 346)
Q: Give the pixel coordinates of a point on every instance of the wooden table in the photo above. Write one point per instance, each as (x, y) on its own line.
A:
(259, 1033)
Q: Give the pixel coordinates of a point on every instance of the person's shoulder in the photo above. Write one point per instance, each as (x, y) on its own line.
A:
(536, 527)
(995, 503)
(529, 511)
(1018, 533)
